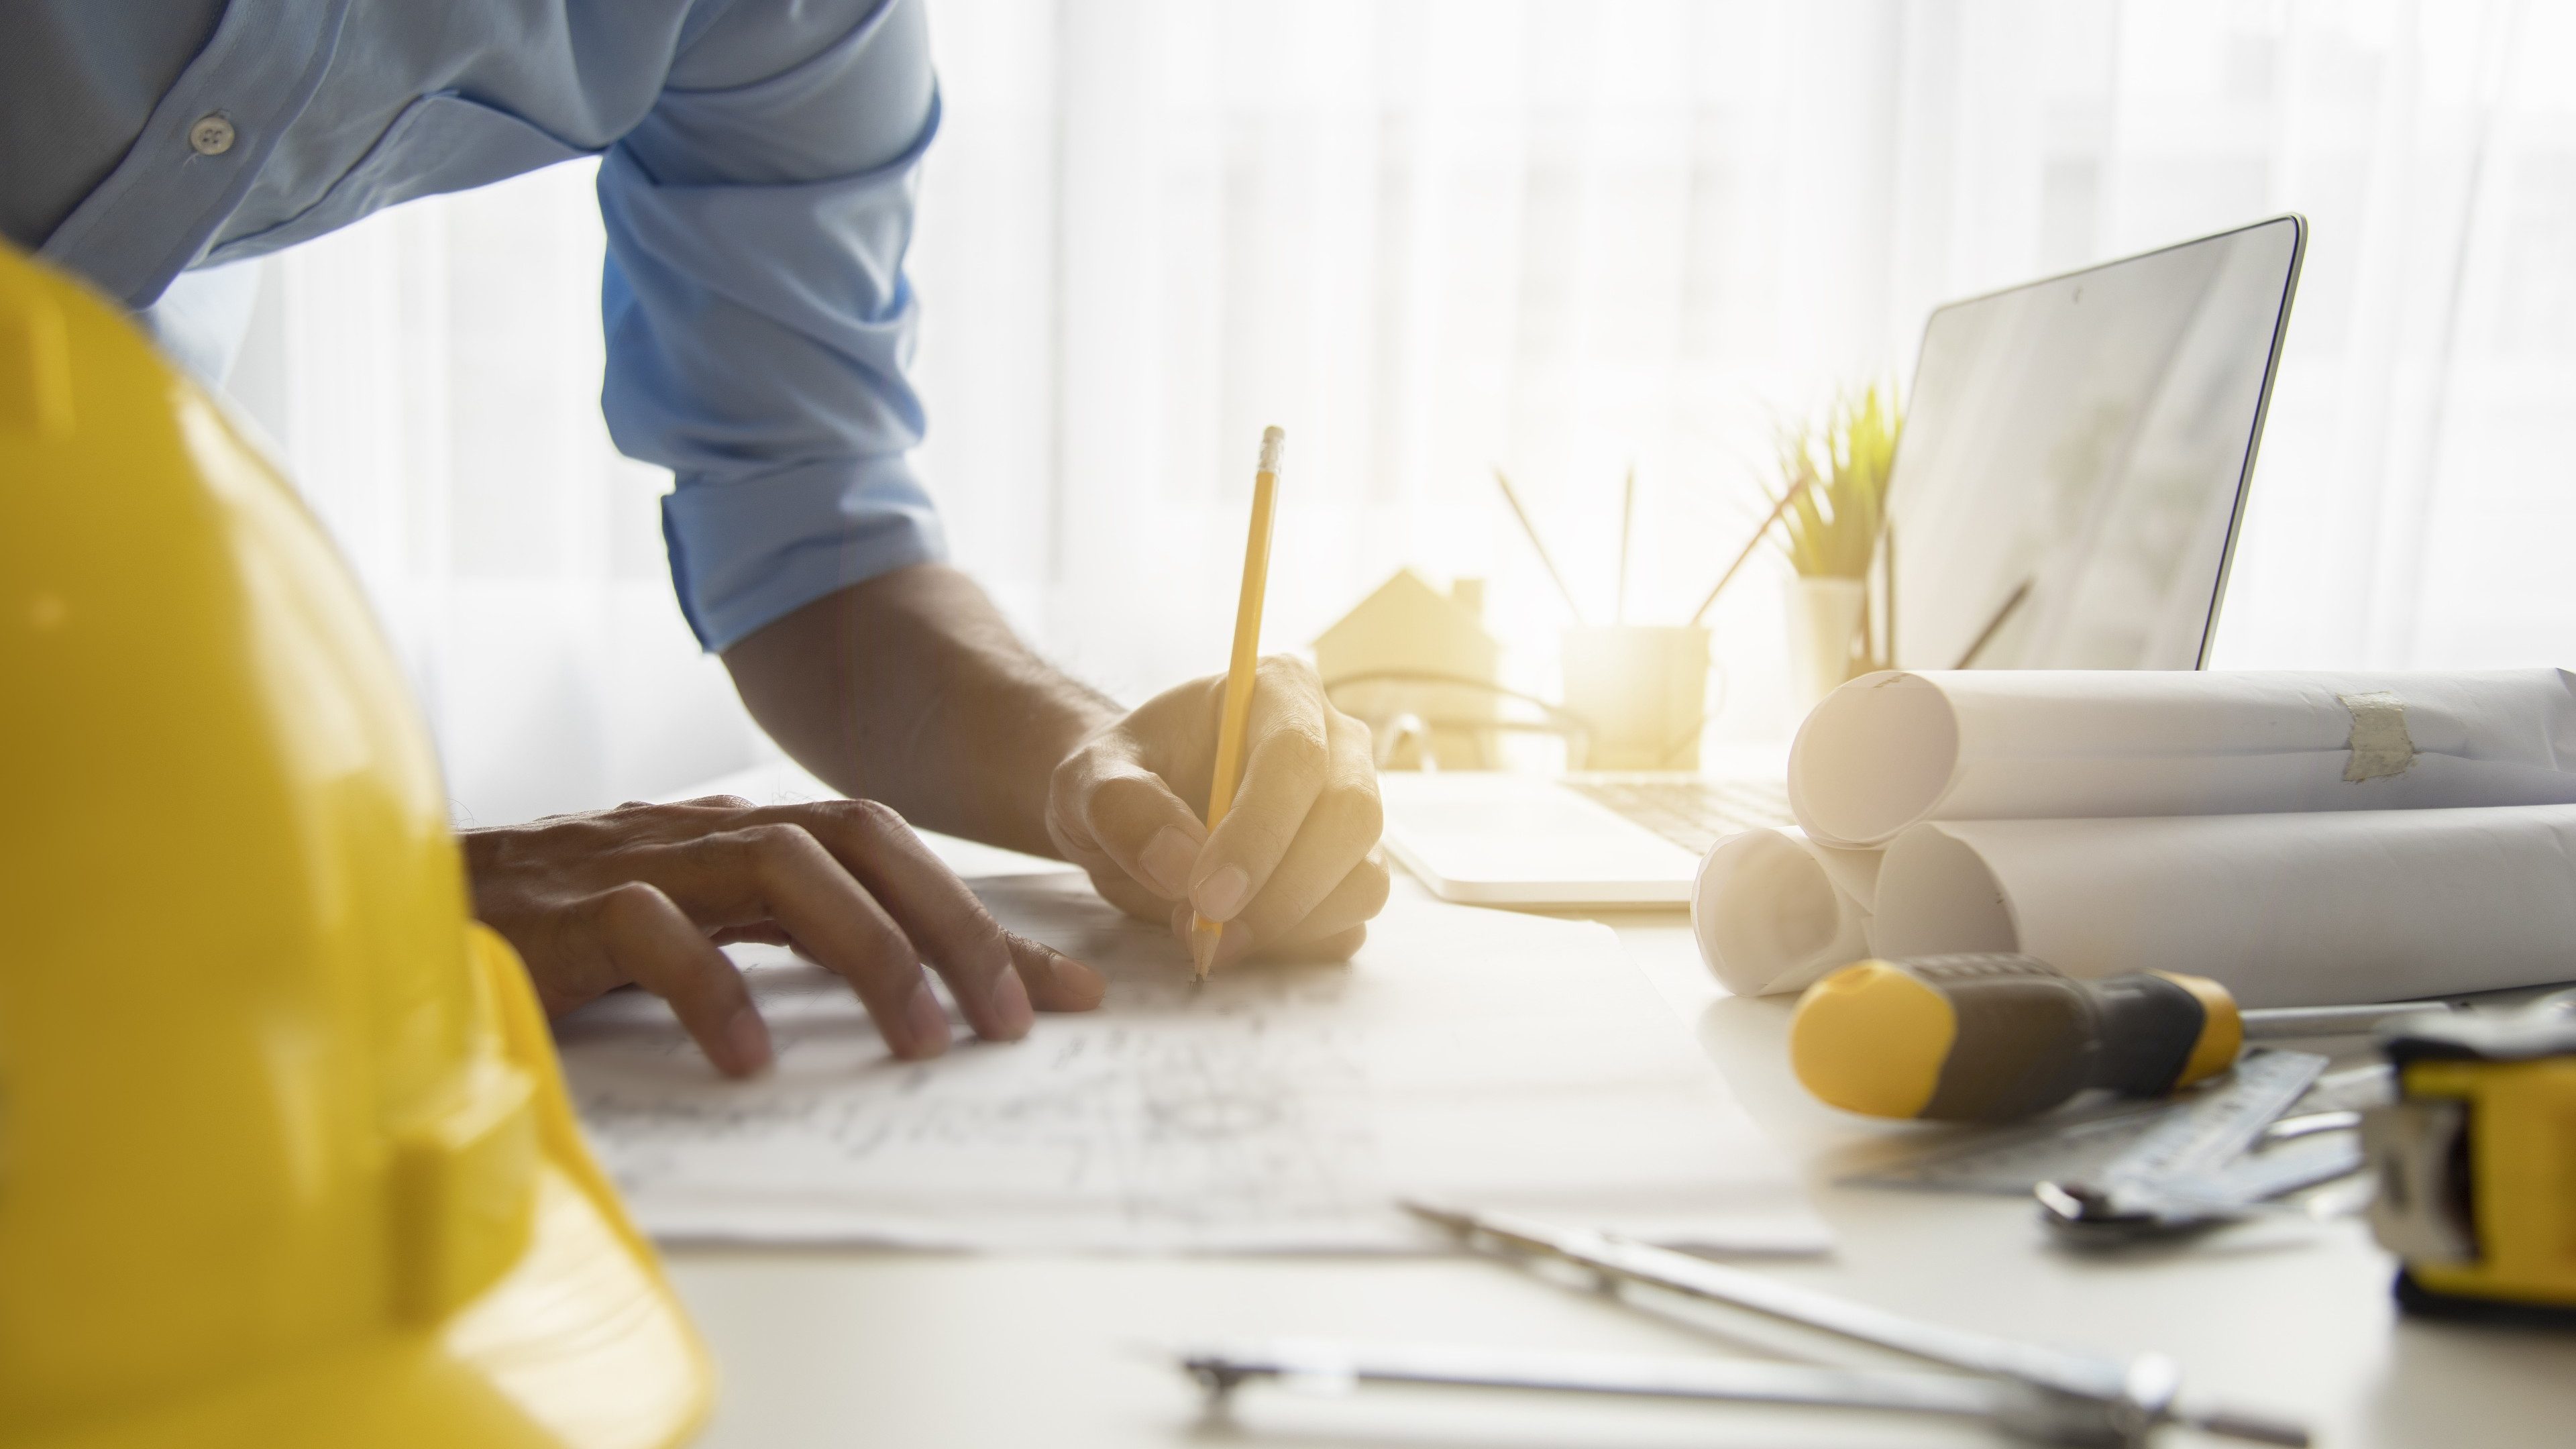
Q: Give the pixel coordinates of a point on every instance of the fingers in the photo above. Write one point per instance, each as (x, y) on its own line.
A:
(646, 893)
(634, 932)
(1334, 840)
(1128, 815)
(1353, 901)
(945, 924)
(1340, 946)
(1287, 760)
(1302, 822)
(702, 802)
(778, 871)
(1056, 981)
(1303, 833)
(996, 985)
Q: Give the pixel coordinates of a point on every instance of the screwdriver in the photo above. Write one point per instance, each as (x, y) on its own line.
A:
(1995, 1038)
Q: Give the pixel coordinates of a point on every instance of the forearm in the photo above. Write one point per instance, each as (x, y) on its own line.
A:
(912, 689)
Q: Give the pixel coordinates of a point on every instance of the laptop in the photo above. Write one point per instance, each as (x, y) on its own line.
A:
(2067, 495)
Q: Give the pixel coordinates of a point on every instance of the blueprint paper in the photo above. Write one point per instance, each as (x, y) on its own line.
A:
(2283, 910)
(1889, 750)
(1469, 1056)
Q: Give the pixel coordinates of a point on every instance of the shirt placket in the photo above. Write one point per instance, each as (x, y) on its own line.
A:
(201, 149)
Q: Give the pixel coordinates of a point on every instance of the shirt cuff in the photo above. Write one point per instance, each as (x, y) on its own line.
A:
(748, 551)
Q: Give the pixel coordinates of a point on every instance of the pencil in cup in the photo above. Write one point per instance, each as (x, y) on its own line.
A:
(1240, 672)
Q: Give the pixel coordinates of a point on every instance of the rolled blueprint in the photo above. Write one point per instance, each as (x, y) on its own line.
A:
(1890, 749)
(2284, 910)
(1773, 910)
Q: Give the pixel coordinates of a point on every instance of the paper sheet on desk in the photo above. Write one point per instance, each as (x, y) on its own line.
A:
(1471, 1056)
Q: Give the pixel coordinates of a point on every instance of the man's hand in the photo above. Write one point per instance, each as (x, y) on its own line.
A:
(645, 894)
(911, 688)
(1293, 866)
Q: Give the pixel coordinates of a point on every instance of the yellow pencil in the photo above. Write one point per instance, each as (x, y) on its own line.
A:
(1239, 671)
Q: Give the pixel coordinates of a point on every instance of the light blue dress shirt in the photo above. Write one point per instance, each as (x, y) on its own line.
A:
(757, 162)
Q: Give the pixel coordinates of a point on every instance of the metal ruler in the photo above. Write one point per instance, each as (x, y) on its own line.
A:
(2203, 1134)
(2191, 1135)
(2009, 1161)
(2254, 1178)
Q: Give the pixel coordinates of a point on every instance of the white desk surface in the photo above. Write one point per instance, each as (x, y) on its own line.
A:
(856, 1347)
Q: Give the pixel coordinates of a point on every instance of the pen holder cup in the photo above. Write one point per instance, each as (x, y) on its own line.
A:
(1643, 692)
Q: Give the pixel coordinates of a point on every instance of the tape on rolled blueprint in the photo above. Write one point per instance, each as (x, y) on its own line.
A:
(2283, 910)
(1774, 911)
(2381, 747)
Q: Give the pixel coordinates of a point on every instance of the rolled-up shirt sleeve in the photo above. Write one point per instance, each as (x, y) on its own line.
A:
(758, 319)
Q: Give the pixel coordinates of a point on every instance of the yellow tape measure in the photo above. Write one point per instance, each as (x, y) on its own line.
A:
(2476, 1163)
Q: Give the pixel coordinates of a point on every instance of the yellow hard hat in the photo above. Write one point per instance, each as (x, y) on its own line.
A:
(285, 1158)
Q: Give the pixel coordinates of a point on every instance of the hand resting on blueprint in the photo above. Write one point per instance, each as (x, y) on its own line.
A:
(644, 894)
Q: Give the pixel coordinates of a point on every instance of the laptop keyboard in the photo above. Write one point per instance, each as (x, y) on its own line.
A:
(1693, 813)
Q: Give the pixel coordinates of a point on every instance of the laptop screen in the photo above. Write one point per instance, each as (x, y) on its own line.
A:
(2075, 457)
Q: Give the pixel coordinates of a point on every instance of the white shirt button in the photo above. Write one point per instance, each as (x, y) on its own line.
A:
(211, 136)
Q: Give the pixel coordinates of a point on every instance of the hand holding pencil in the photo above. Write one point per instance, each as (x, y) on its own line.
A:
(1283, 857)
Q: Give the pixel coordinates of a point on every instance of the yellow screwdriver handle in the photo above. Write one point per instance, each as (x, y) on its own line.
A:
(1992, 1038)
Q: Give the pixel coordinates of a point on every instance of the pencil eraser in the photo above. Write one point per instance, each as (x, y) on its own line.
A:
(1273, 442)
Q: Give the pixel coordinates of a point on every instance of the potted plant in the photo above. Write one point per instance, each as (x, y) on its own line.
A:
(1832, 504)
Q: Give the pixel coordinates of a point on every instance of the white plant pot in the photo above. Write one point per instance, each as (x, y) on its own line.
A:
(1824, 619)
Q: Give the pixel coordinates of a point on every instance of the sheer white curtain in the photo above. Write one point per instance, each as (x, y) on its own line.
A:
(1431, 238)
(432, 377)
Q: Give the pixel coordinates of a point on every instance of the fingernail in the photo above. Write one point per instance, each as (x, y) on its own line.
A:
(1012, 1013)
(925, 1026)
(1221, 894)
(1080, 980)
(746, 1043)
(1167, 859)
